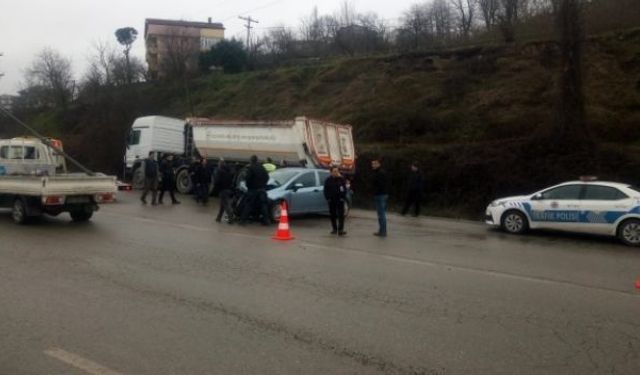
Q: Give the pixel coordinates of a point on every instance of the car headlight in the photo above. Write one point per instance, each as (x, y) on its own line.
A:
(496, 204)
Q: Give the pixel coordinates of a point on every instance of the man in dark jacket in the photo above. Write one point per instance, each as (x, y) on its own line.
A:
(202, 180)
(224, 185)
(151, 176)
(257, 201)
(335, 192)
(380, 185)
(168, 182)
(415, 187)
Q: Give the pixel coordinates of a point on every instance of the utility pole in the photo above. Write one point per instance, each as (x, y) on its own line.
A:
(249, 27)
(1, 74)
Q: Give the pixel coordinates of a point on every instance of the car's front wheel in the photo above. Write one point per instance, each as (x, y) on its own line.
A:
(629, 232)
(276, 211)
(514, 222)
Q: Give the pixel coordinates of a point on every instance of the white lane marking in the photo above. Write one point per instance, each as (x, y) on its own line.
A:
(79, 362)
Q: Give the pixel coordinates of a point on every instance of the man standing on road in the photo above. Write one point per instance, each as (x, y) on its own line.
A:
(256, 181)
(201, 179)
(168, 182)
(414, 190)
(224, 185)
(380, 184)
(335, 191)
(151, 174)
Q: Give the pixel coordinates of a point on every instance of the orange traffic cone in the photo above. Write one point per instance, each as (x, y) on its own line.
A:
(283, 233)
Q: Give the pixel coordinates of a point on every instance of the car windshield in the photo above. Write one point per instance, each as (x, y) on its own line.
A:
(280, 177)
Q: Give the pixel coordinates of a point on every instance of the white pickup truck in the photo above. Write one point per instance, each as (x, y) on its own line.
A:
(33, 181)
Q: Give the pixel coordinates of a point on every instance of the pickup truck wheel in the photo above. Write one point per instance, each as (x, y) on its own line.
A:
(81, 214)
(183, 181)
(138, 178)
(19, 212)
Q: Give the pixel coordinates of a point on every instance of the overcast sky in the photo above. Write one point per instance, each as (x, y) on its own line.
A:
(72, 26)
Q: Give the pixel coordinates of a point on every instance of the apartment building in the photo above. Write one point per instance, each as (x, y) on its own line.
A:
(173, 46)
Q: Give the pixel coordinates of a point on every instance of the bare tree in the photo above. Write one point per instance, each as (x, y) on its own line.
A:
(508, 17)
(125, 73)
(52, 72)
(442, 23)
(489, 10)
(101, 64)
(181, 48)
(278, 42)
(347, 14)
(466, 10)
(417, 23)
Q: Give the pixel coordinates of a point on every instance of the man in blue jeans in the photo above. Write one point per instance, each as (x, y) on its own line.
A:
(380, 184)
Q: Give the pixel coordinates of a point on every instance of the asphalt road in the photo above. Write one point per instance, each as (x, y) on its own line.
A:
(165, 290)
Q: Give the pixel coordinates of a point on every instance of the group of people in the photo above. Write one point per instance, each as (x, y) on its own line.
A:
(253, 201)
(159, 175)
(254, 179)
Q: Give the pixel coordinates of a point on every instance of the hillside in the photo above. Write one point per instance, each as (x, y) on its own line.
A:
(469, 115)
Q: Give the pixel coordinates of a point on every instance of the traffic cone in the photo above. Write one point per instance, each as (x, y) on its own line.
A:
(283, 233)
(638, 283)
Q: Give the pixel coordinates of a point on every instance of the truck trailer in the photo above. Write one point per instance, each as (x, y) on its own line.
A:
(300, 142)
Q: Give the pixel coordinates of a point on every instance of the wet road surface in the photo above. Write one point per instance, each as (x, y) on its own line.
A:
(166, 290)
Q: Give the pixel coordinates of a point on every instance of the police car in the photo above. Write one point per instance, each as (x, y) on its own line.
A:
(587, 206)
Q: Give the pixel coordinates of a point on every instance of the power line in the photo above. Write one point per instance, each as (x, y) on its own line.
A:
(249, 27)
(253, 10)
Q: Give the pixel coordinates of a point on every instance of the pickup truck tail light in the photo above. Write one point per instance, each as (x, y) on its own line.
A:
(53, 200)
(105, 197)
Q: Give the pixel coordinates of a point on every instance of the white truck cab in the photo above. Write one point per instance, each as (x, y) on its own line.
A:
(20, 156)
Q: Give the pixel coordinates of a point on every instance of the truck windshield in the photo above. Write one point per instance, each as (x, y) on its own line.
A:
(134, 137)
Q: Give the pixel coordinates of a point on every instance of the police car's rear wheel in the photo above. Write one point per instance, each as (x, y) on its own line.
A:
(514, 222)
(629, 232)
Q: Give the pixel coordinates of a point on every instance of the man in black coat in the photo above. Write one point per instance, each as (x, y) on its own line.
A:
(168, 183)
(380, 183)
(202, 180)
(335, 192)
(257, 201)
(224, 186)
(415, 187)
(151, 176)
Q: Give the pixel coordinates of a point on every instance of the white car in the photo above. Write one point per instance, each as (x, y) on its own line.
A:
(596, 207)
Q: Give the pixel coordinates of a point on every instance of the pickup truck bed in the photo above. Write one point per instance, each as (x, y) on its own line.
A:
(79, 194)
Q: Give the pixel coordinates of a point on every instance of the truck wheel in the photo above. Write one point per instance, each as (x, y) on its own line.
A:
(81, 214)
(19, 212)
(183, 182)
(138, 179)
